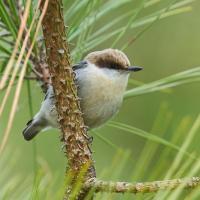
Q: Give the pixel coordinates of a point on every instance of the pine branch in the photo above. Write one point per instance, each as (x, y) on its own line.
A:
(74, 132)
(146, 187)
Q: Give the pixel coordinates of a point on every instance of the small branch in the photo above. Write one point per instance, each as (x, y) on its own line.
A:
(41, 70)
(146, 187)
(38, 59)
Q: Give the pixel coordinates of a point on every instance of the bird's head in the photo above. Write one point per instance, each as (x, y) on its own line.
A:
(112, 59)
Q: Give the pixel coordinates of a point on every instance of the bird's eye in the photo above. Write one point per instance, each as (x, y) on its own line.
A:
(114, 66)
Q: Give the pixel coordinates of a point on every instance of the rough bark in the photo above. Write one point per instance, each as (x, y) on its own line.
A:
(74, 132)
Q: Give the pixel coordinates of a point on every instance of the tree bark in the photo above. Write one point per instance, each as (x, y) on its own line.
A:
(74, 132)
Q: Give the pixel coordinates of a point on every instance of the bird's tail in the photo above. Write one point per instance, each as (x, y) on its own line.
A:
(33, 127)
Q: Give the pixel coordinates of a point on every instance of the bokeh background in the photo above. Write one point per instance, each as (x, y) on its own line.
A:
(169, 46)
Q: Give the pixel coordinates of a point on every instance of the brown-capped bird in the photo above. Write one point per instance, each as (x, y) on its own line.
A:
(101, 78)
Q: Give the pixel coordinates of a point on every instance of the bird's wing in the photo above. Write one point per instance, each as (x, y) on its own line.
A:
(49, 94)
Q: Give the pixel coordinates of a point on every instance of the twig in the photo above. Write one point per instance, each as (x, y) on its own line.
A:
(40, 67)
(146, 187)
(74, 132)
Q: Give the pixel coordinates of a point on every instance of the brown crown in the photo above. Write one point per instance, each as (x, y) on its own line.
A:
(110, 58)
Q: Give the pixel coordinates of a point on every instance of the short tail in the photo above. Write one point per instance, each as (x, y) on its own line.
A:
(33, 127)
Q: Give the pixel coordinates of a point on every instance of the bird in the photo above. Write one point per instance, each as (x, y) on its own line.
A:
(101, 79)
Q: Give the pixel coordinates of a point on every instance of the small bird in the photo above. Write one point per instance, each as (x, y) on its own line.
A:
(101, 79)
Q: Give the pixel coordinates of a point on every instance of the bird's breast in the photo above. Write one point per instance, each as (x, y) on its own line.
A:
(101, 96)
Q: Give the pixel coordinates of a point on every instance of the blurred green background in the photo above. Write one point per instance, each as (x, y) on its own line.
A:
(170, 46)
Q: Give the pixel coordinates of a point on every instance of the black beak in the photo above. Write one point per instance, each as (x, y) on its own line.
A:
(134, 68)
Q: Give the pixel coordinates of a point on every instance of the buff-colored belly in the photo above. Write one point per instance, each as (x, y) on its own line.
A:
(100, 101)
(97, 112)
